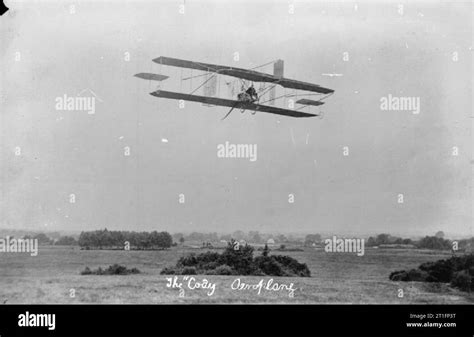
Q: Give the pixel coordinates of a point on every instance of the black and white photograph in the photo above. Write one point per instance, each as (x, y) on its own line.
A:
(236, 153)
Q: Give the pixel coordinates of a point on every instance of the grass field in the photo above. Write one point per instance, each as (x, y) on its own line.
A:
(54, 275)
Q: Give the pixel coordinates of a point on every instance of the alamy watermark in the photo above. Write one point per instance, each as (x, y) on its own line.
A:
(80, 102)
(228, 150)
(335, 245)
(12, 245)
(402, 103)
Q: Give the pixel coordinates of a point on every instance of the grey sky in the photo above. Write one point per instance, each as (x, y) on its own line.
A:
(390, 152)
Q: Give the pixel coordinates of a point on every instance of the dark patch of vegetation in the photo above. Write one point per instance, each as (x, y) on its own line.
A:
(252, 237)
(387, 239)
(466, 245)
(119, 239)
(238, 260)
(312, 239)
(436, 242)
(66, 241)
(115, 269)
(457, 270)
(284, 248)
(433, 242)
(43, 239)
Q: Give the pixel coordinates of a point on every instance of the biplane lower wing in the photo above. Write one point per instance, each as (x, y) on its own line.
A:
(230, 103)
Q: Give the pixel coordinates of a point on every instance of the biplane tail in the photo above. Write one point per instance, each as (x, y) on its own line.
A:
(152, 77)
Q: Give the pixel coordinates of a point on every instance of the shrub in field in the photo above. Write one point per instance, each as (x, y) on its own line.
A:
(269, 266)
(114, 269)
(224, 270)
(399, 275)
(238, 260)
(457, 270)
(463, 281)
(441, 271)
(168, 271)
(86, 271)
(189, 271)
(292, 266)
(188, 260)
(433, 242)
(417, 275)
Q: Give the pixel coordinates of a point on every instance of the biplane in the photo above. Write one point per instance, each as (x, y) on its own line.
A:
(249, 98)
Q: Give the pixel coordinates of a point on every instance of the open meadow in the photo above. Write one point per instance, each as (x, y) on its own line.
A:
(53, 276)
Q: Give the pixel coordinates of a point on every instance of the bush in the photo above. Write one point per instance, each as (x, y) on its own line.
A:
(115, 269)
(292, 266)
(417, 275)
(399, 275)
(189, 271)
(238, 260)
(224, 270)
(209, 265)
(440, 271)
(189, 260)
(241, 259)
(463, 281)
(433, 242)
(168, 271)
(86, 271)
(269, 266)
(457, 270)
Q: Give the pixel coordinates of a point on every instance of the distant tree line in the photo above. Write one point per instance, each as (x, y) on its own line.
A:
(45, 240)
(66, 241)
(437, 242)
(42, 238)
(434, 242)
(253, 237)
(387, 239)
(119, 239)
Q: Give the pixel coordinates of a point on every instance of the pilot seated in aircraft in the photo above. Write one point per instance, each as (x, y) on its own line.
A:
(249, 95)
(252, 93)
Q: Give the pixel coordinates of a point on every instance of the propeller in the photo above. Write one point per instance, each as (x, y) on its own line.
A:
(228, 113)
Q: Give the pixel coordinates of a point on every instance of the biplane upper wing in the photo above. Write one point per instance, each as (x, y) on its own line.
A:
(294, 84)
(214, 68)
(230, 103)
(246, 74)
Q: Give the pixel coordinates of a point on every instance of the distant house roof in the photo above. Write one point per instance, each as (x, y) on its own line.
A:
(270, 241)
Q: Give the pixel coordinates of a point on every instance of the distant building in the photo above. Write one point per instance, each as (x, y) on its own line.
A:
(270, 242)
